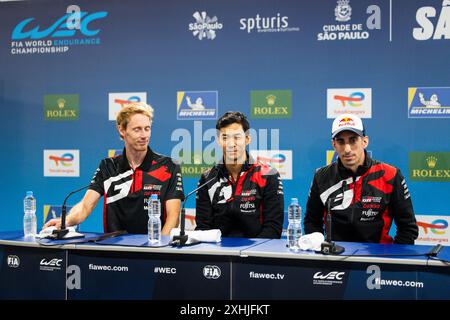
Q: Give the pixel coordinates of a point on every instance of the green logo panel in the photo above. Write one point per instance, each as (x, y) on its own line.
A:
(267, 104)
(61, 107)
(429, 166)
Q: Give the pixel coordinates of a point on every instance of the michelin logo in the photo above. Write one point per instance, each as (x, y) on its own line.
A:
(429, 102)
(433, 102)
(197, 105)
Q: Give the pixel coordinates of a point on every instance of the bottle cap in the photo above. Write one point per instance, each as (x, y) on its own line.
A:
(294, 201)
(154, 197)
(29, 193)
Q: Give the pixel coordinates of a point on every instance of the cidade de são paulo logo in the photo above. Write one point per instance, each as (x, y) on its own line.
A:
(351, 24)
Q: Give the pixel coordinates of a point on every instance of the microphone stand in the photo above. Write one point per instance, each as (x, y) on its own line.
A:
(61, 233)
(181, 239)
(328, 246)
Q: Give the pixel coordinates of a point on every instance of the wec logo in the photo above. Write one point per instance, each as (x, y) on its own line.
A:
(66, 26)
(165, 270)
(333, 275)
(54, 262)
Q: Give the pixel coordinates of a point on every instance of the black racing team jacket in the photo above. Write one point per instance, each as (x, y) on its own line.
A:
(363, 205)
(251, 207)
(126, 191)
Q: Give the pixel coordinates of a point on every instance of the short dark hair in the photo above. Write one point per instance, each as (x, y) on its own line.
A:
(231, 117)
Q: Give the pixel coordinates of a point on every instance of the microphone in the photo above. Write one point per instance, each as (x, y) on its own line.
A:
(435, 250)
(328, 246)
(181, 239)
(61, 233)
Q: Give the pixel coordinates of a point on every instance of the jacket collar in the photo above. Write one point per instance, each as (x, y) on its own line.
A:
(360, 170)
(145, 165)
(246, 166)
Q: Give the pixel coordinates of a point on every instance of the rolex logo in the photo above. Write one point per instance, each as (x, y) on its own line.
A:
(61, 103)
(61, 107)
(271, 99)
(429, 166)
(431, 161)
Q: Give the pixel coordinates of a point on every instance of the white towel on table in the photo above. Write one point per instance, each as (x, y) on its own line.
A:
(311, 241)
(49, 230)
(213, 235)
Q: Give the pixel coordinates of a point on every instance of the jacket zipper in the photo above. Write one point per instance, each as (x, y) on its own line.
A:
(133, 187)
(353, 200)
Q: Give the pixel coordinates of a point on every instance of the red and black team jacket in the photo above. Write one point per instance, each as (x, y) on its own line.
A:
(363, 204)
(126, 191)
(251, 207)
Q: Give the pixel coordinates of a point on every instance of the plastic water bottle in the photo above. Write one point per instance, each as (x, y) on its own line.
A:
(294, 230)
(154, 219)
(29, 218)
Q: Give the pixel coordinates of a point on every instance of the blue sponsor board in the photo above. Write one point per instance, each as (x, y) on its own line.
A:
(32, 273)
(50, 50)
(429, 102)
(263, 279)
(131, 275)
(259, 278)
(197, 105)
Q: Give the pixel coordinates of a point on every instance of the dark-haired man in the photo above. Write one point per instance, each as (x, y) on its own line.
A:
(244, 198)
(365, 195)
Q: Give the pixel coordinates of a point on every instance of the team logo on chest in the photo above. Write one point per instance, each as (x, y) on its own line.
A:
(370, 199)
(152, 187)
(247, 207)
(368, 215)
(248, 198)
(248, 193)
(118, 187)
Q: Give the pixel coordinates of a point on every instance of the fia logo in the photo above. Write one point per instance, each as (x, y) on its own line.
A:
(13, 261)
(211, 272)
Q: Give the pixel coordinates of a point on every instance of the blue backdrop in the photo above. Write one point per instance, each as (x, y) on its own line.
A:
(390, 51)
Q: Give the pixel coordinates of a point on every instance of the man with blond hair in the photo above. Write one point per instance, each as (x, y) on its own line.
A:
(127, 181)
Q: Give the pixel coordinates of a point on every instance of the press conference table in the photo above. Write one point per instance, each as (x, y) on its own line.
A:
(126, 267)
